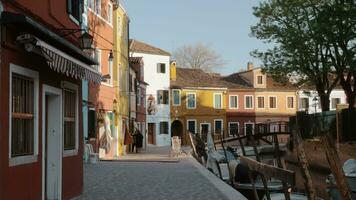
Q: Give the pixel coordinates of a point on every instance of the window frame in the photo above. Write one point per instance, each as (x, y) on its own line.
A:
(96, 7)
(257, 102)
(74, 87)
(238, 127)
(179, 99)
(269, 102)
(293, 101)
(167, 127)
(159, 68)
(195, 100)
(138, 96)
(237, 102)
(301, 103)
(331, 102)
(221, 100)
(71, 16)
(26, 159)
(109, 13)
(252, 104)
(222, 125)
(163, 95)
(195, 125)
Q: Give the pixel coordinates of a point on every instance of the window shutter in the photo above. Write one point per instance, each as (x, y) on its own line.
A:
(81, 9)
(158, 67)
(69, 6)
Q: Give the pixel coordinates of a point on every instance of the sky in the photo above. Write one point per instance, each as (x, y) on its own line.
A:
(223, 24)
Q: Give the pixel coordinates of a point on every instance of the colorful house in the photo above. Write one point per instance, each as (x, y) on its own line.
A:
(102, 98)
(272, 101)
(156, 74)
(198, 103)
(121, 74)
(41, 71)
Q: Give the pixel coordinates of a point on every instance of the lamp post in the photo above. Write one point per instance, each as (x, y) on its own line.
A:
(315, 100)
(85, 41)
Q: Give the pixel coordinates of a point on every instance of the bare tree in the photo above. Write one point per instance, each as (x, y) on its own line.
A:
(198, 56)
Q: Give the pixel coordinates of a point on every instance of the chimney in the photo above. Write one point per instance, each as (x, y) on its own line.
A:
(249, 66)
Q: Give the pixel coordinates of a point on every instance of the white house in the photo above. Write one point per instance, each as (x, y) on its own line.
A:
(309, 100)
(157, 75)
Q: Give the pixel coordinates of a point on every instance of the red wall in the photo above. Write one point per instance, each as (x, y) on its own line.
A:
(25, 181)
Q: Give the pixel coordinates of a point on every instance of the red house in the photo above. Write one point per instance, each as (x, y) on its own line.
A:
(41, 73)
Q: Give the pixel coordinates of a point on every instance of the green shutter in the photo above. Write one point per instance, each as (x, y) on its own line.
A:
(69, 6)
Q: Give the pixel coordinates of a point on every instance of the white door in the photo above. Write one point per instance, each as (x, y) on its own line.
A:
(52, 143)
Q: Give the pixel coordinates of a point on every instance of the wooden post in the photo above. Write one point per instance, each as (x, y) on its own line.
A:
(193, 144)
(277, 153)
(336, 168)
(304, 165)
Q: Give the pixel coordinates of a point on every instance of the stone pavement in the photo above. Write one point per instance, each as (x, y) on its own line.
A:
(155, 176)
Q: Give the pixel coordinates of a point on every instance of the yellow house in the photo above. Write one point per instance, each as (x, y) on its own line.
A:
(198, 103)
(121, 73)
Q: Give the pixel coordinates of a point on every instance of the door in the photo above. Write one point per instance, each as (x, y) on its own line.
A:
(204, 130)
(151, 133)
(248, 128)
(52, 143)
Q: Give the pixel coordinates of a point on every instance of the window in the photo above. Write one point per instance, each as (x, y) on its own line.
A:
(161, 68)
(118, 25)
(260, 102)
(192, 126)
(138, 96)
(91, 123)
(217, 100)
(259, 79)
(69, 121)
(334, 102)
(109, 13)
(97, 56)
(233, 128)
(218, 126)
(304, 103)
(272, 102)
(74, 9)
(233, 102)
(24, 112)
(163, 96)
(163, 127)
(176, 97)
(98, 7)
(111, 73)
(248, 102)
(290, 102)
(191, 101)
(91, 4)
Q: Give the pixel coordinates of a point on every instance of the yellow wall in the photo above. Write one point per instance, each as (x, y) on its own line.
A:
(121, 68)
(204, 111)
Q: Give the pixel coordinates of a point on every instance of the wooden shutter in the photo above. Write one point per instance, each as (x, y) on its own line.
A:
(158, 67)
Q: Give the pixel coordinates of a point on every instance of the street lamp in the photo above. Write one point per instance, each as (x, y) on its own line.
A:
(85, 41)
(111, 56)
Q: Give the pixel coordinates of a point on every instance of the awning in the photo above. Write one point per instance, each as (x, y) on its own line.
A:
(66, 64)
(61, 55)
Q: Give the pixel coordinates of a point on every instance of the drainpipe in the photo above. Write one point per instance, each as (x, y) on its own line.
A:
(128, 68)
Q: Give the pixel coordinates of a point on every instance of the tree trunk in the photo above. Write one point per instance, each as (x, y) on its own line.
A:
(324, 101)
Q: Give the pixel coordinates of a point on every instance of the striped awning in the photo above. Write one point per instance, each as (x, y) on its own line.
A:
(63, 63)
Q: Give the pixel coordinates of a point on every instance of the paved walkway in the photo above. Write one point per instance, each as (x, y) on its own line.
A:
(144, 178)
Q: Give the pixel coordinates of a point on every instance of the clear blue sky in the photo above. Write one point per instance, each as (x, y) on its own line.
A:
(224, 24)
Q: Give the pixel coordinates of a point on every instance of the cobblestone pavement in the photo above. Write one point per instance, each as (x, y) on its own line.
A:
(145, 180)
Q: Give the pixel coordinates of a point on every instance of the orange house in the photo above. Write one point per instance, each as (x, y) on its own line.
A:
(102, 100)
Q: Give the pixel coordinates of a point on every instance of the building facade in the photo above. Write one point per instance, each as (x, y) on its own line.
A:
(41, 71)
(102, 98)
(121, 72)
(199, 103)
(156, 75)
(140, 97)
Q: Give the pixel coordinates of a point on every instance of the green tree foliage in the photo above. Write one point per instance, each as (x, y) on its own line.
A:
(305, 33)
